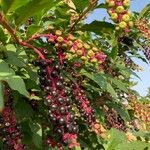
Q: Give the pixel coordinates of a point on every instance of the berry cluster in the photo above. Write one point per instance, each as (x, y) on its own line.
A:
(143, 27)
(76, 48)
(55, 88)
(86, 110)
(86, 53)
(57, 101)
(83, 105)
(118, 11)
(9, 130)
(114, 120)
(142, 111)
(130, 63)
(147, 52)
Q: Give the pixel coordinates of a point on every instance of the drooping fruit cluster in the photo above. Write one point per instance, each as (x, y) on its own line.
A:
(9, 129)
(86, 110)
(118, 11)
(141, 111)
(57, 101)
(130, 63)
(76, 48)
(53, 84)
(86, 52)
(147, 52)
(113, 120)
(84, 105)
(143, 27)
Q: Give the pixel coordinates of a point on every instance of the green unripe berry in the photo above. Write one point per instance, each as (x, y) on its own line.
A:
(111, 4)
(126, 18)
(120, 9)
(122, 24)
(114, 16)
(131, 24)
(126, 3)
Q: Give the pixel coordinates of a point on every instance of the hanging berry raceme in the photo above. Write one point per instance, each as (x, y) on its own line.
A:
(130, 63)
(57, 101)
(87, 111)
(84, 105)
(53, 84)
(85, 52)
(75, 48)
(9, 129)
(113, 120)
(147, 52)
(118, 11)
(143, 27)
(141, 110)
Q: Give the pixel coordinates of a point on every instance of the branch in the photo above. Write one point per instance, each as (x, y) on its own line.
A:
(32, 47)
(37, 36)
(6, 25)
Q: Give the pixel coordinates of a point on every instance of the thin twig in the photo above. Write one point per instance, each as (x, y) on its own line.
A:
(84, 13)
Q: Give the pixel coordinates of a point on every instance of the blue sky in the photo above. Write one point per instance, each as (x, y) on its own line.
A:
(136, 5)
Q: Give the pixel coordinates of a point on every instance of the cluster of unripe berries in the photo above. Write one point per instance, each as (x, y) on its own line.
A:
(9, 129)
(118, 11)
(142, 111)
(57, 101)
(143, 27)
(113, 120)
(76, 48)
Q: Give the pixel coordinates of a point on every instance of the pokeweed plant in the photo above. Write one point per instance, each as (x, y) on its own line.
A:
(65, 84)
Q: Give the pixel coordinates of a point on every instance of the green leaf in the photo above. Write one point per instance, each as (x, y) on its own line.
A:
(116, 137)
(111, 90)
(37, 134)
(120, 85)
(13, 58)
(102, 5)
(32, 8)
(97, 78)
(23, 109)
(77, 148)
(114, 43)
(145, 12)
(2, 36)
(99, 27)
(80, 6)
(11, 47)
(32, 29)
(5, 70)
(1, 97)
(17, 83)
(11, 5)
(136, 145)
